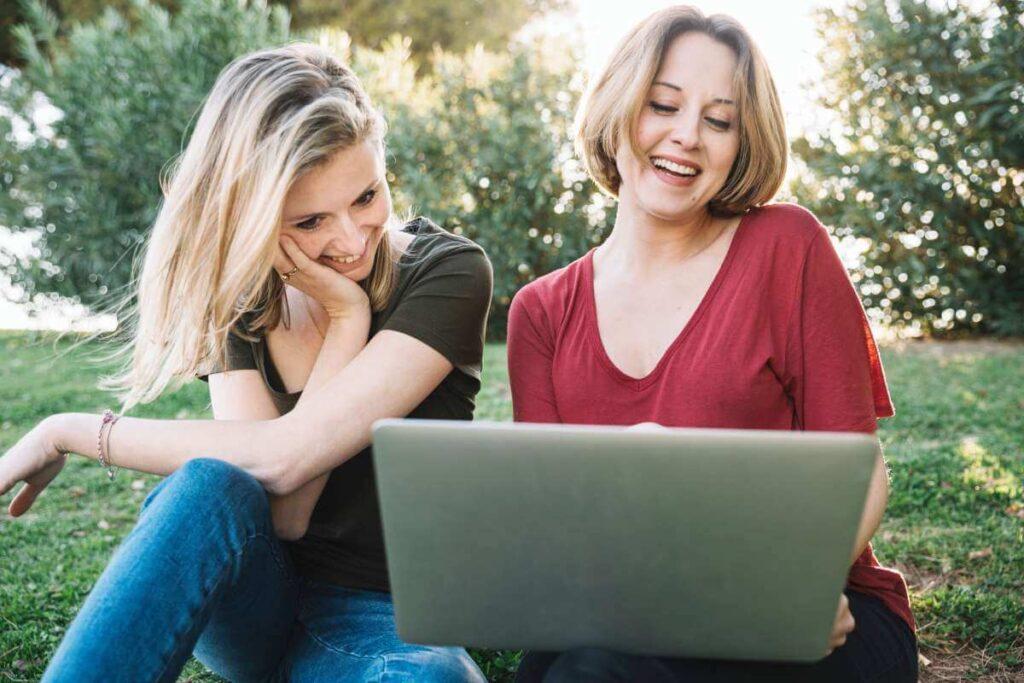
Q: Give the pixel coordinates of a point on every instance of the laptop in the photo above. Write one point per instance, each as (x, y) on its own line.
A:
(726, 544)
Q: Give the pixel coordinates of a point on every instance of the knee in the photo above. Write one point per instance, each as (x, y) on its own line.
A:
(432, 665)
(203, 484)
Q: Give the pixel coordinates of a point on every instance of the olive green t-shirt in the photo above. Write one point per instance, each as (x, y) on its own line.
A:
(442, 298)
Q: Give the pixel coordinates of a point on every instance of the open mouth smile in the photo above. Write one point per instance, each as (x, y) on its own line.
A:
(346, 260)
(676, 168)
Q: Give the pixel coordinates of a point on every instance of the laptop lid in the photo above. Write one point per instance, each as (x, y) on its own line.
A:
(674, 542)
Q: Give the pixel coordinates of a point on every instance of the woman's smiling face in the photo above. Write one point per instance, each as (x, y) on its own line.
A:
(687, 132)
(338, 211)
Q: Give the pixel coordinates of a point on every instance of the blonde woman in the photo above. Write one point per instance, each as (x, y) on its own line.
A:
(276, 269)
(707, 308)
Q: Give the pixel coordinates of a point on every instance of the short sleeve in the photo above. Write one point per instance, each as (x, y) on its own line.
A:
(445, 306)
(530, 354)
(836, 379)
(239, 356)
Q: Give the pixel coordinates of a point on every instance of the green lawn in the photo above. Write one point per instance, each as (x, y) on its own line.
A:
(955, 523)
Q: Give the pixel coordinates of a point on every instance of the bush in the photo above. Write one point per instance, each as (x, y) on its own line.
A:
(925, 162)
(126, 93)
(479, 143)
(483, 146)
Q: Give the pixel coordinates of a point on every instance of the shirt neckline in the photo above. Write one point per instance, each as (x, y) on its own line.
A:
(640, 383)
(267, 368)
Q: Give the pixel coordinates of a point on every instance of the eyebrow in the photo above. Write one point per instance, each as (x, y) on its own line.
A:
(307, 216)
(717, 100)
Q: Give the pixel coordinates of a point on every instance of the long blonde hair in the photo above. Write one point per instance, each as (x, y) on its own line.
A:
(612, 106)
(271, 117)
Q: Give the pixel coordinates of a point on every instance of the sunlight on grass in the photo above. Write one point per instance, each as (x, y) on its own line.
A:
(985, 472)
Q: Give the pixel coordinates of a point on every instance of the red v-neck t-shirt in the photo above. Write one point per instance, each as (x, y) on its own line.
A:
(779, 341)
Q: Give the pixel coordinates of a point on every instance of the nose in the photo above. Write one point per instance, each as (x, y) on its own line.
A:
(344, 238)
(686, 129)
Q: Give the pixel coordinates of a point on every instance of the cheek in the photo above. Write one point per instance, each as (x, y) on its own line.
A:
(627, 163)
(307, 242)
(646, 131)
(726, 153)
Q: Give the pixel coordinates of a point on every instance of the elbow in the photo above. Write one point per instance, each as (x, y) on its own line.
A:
(283, 480)
(281, 471)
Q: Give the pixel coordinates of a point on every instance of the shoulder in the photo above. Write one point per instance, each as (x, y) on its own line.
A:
(787, 224)
(556, 286)
(435, 250)
(432, 241)
(551, 296)
(784, 236)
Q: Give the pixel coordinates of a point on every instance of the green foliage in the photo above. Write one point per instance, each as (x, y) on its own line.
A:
(127, 91)
(480, 142)
(482, 145)
(452, 25)
(925, 160)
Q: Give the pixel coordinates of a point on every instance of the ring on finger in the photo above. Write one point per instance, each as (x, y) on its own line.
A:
(285, 276)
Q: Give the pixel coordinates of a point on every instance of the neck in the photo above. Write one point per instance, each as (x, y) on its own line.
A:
(644, 244)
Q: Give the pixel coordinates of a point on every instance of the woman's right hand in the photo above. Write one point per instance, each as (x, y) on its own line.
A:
(340, 296)
(35, 459)
(842, 627)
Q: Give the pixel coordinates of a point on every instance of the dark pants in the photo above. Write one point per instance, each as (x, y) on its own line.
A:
(881, 648)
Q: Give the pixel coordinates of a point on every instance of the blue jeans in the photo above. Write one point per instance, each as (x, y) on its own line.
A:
(203, 570)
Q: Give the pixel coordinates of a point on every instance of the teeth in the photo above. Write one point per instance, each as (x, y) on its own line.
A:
(344, 259)
(673, 166)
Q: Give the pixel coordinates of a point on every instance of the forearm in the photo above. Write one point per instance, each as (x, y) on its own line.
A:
(874, 507)
(162, 446)
(343, 341)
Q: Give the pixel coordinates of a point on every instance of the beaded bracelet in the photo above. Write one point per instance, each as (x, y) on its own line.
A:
(109, 420)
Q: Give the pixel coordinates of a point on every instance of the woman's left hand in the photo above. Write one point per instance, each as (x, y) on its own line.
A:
(35, 460)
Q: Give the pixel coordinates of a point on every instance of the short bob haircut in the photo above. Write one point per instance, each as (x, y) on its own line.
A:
(615, 99)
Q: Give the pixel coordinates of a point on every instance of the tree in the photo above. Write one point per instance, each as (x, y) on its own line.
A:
(452, 25)
(66, 12)
(924, 164)
(126, 92)
(480, 142)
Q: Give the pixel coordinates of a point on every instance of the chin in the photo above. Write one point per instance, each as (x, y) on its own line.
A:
(361, 273)
(671, 210)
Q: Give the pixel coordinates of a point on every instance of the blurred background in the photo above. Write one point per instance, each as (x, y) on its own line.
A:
(904, 117)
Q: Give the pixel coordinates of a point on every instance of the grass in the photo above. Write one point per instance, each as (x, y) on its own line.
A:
(955, 523)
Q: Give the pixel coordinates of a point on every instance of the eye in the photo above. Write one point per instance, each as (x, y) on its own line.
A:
(663, 108)
(366, 198)
(719, 124)
(311, 223)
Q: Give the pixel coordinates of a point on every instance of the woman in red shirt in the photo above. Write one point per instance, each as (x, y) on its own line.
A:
(706, 308)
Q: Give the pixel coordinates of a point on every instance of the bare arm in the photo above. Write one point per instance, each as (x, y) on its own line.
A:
(874, 506)
(390, 377)
(343, 341)
(393, 374)
(243, 395)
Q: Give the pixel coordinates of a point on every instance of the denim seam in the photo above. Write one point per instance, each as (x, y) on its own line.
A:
(208, 589)
(340, 650)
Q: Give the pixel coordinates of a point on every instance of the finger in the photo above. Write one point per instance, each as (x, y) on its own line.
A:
(282, 264)
(23, 501)
(295, 253)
